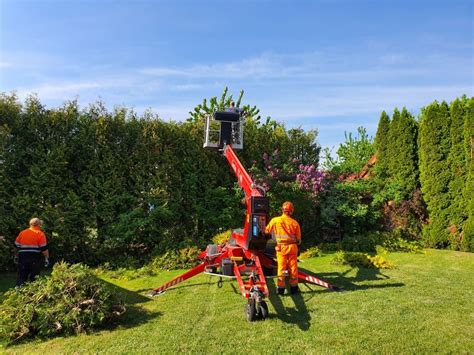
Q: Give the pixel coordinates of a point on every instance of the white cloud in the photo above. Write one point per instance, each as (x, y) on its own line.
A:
(253, 67)
(316, 69)
(60, 90)
(294, 87)
(5, 65)
(359, 100)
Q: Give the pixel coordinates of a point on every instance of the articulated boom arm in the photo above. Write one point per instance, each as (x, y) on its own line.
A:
(253, 236)
(244, 179)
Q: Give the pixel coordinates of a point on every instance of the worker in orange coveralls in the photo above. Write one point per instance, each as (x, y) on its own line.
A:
(287, 233)
(31, 245)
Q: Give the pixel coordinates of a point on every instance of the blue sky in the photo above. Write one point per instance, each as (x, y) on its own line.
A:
(330, 65)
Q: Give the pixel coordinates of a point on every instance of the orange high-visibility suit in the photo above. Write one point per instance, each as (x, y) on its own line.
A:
(287, 233)
(31, 244)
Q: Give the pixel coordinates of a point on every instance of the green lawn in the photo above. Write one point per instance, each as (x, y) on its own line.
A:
(424, 305)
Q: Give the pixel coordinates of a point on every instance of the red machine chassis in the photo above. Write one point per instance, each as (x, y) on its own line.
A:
(248, 270)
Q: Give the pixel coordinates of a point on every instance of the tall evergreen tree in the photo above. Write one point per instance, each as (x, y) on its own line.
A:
(458, 169)
(403, 158)
(468, 193)
(381, 145)
(392, 147)
(434, 146)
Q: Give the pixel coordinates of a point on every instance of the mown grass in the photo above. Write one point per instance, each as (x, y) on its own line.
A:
(424, 305)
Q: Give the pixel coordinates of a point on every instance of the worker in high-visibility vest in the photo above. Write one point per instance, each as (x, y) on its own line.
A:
(287, 233)
(32, 247)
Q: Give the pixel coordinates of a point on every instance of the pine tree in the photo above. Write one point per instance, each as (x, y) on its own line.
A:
(381, 146)
(434, 146)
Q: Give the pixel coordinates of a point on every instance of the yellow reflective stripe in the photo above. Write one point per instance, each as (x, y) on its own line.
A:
(285, 238)
(28, 245)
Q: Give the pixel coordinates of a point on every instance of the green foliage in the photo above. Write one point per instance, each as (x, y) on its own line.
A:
(120, 188)
(222, 237)
(395, 241)
(361, 260)
(353, 154)
(366, 242)
(214, 104)
(457, 161)
(311, 253)
(180, 259)
(467, 242)
(396, 186)
(402, 152)
(6, 254)
(347, 212)
(330, 247)
(406, 216)
(174, 259)
(109, 185)
(382, 139)
(72, 300)
(434, 145)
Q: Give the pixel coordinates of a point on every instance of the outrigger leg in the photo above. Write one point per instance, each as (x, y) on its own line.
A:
(178, 279)
(316, 281)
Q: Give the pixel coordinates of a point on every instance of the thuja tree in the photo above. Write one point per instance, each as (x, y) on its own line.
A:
(115, 186)
(382, 138)
(467, 242)
(402, 151)
(457, 161)
(10, 111)
(434, 146)
(396, 186)
(109, 185)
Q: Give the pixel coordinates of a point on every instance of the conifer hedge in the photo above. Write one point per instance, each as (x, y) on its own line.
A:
(120, 187)
(434, 153)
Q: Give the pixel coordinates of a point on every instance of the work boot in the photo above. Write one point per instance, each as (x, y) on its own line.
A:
(294, 290)
(281, 290)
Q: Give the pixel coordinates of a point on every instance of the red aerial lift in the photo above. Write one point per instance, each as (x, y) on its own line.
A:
(248, 256)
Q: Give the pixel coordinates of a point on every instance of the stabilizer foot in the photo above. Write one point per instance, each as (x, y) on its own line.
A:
(155, 293)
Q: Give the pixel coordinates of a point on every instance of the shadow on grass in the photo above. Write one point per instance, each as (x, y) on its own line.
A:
(135, 314)
(175, 288)
(349, 283)
(297, 314)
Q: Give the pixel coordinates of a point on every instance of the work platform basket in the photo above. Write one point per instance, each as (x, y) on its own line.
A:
(224, 128)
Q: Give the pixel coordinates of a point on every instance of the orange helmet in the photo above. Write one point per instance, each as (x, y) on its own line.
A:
(288, 207)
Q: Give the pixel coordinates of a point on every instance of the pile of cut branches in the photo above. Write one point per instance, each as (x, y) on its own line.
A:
(70, 301)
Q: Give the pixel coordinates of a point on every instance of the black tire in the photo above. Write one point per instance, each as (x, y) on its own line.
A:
(251, 310)
(263, 310)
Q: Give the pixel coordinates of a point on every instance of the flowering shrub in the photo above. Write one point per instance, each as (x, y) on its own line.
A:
(311, 179)
(292, 173)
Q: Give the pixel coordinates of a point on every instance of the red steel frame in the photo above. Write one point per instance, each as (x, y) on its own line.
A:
(247, 264)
